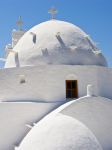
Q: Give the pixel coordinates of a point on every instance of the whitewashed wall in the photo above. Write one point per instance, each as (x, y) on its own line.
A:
(47, 83)
(15, 116)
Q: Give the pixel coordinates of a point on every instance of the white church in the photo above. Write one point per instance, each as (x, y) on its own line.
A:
(55, 90)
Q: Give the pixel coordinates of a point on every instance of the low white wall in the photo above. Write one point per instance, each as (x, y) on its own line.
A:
(14, 117)
(47, 83)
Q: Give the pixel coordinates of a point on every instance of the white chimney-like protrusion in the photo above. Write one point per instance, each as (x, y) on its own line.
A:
(90, 90)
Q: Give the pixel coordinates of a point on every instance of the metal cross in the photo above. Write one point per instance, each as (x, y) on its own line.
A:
(53, 12)
(20, 23)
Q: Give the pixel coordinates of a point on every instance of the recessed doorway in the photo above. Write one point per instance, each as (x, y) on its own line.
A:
(71, 89)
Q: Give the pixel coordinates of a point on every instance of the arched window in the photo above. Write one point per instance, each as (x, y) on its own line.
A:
(71, 89)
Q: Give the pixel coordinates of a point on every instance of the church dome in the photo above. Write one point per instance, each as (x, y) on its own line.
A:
(82, 124)
(55, 42)
(60, 132)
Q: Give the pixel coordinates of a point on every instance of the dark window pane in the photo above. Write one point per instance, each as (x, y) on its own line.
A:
(74, 84)
(74, 94)
(69, 85)
(69, 93)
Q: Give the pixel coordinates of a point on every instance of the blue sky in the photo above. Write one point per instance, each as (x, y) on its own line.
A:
(93, 16)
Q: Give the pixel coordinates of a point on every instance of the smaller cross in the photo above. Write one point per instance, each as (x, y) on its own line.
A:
(20, 23)
(53, 12)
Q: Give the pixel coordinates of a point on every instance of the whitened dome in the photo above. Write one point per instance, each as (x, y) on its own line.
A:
(82, 124)
(60, 132)
(56, 42)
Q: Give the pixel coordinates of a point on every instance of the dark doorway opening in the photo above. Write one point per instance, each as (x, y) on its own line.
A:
(71, 89)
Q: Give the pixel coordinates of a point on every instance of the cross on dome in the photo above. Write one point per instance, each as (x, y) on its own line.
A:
(53, 12)
(20, 23)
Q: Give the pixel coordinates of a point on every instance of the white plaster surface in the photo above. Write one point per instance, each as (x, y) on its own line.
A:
(61, 129)
(15, 118)
(47, 83)
(56, 42)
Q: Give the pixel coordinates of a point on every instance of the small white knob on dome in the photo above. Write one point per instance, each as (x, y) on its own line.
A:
(90, 90)
(29, 126)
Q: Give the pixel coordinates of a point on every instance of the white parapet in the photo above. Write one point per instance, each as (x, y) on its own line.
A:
(90, 90)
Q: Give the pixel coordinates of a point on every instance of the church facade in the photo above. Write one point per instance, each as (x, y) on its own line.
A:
(54, 63)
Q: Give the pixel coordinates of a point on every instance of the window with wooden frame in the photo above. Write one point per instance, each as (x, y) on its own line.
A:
(71, 89)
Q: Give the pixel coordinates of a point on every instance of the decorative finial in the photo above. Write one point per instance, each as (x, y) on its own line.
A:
(20, 23)
(53, 12)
